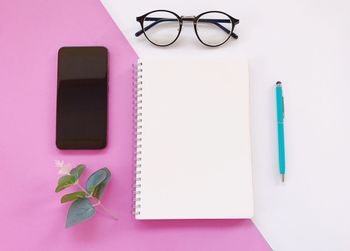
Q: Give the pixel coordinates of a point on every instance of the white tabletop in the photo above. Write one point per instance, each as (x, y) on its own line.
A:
(306, 45)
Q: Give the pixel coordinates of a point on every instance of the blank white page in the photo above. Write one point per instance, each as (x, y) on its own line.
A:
(195, 148)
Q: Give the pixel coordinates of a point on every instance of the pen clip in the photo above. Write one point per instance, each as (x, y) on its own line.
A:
(283, 106)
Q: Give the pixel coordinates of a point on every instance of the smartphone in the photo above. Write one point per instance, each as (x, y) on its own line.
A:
(82, 98)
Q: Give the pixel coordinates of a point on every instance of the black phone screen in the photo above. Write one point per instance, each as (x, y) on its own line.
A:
(82, 98)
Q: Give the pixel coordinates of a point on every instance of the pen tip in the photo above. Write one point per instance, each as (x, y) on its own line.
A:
(282, 177)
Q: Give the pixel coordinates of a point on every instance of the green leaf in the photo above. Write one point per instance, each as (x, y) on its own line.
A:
(98, 191)
(95, 179)
(64, 182)
(80, 210)
(73, 196)
(77, 171)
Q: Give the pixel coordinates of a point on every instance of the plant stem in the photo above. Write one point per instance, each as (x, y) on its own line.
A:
(83, 189)
(99, 203)
(107, 211)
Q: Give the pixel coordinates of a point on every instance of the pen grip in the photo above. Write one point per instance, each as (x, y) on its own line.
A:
(281, 148)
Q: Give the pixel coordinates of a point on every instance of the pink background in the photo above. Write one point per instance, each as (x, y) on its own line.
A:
(31, 217)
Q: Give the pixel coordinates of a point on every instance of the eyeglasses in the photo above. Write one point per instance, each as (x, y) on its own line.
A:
(163, 27)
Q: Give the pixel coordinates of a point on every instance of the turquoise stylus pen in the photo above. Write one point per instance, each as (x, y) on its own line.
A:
(280, 127)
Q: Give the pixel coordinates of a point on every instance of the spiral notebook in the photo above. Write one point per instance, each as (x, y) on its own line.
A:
(193, 157)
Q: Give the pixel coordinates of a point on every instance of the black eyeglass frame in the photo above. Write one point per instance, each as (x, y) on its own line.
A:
(181, 19)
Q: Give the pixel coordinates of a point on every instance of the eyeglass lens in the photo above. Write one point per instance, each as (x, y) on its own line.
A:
(214, 28)
(161, 27)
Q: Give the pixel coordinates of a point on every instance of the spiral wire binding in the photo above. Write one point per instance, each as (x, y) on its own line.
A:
(137, 79)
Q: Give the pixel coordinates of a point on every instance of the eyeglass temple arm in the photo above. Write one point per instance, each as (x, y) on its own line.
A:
(217, 23)
(158, 20)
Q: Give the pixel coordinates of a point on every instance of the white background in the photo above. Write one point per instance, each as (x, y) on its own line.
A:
(306, 45)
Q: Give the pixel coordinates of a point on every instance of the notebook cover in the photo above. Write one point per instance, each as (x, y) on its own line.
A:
(194, 159)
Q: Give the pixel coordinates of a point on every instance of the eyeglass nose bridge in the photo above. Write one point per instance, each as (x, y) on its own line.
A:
(188, 18)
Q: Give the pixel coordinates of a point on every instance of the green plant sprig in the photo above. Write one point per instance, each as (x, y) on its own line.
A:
(82, 207)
